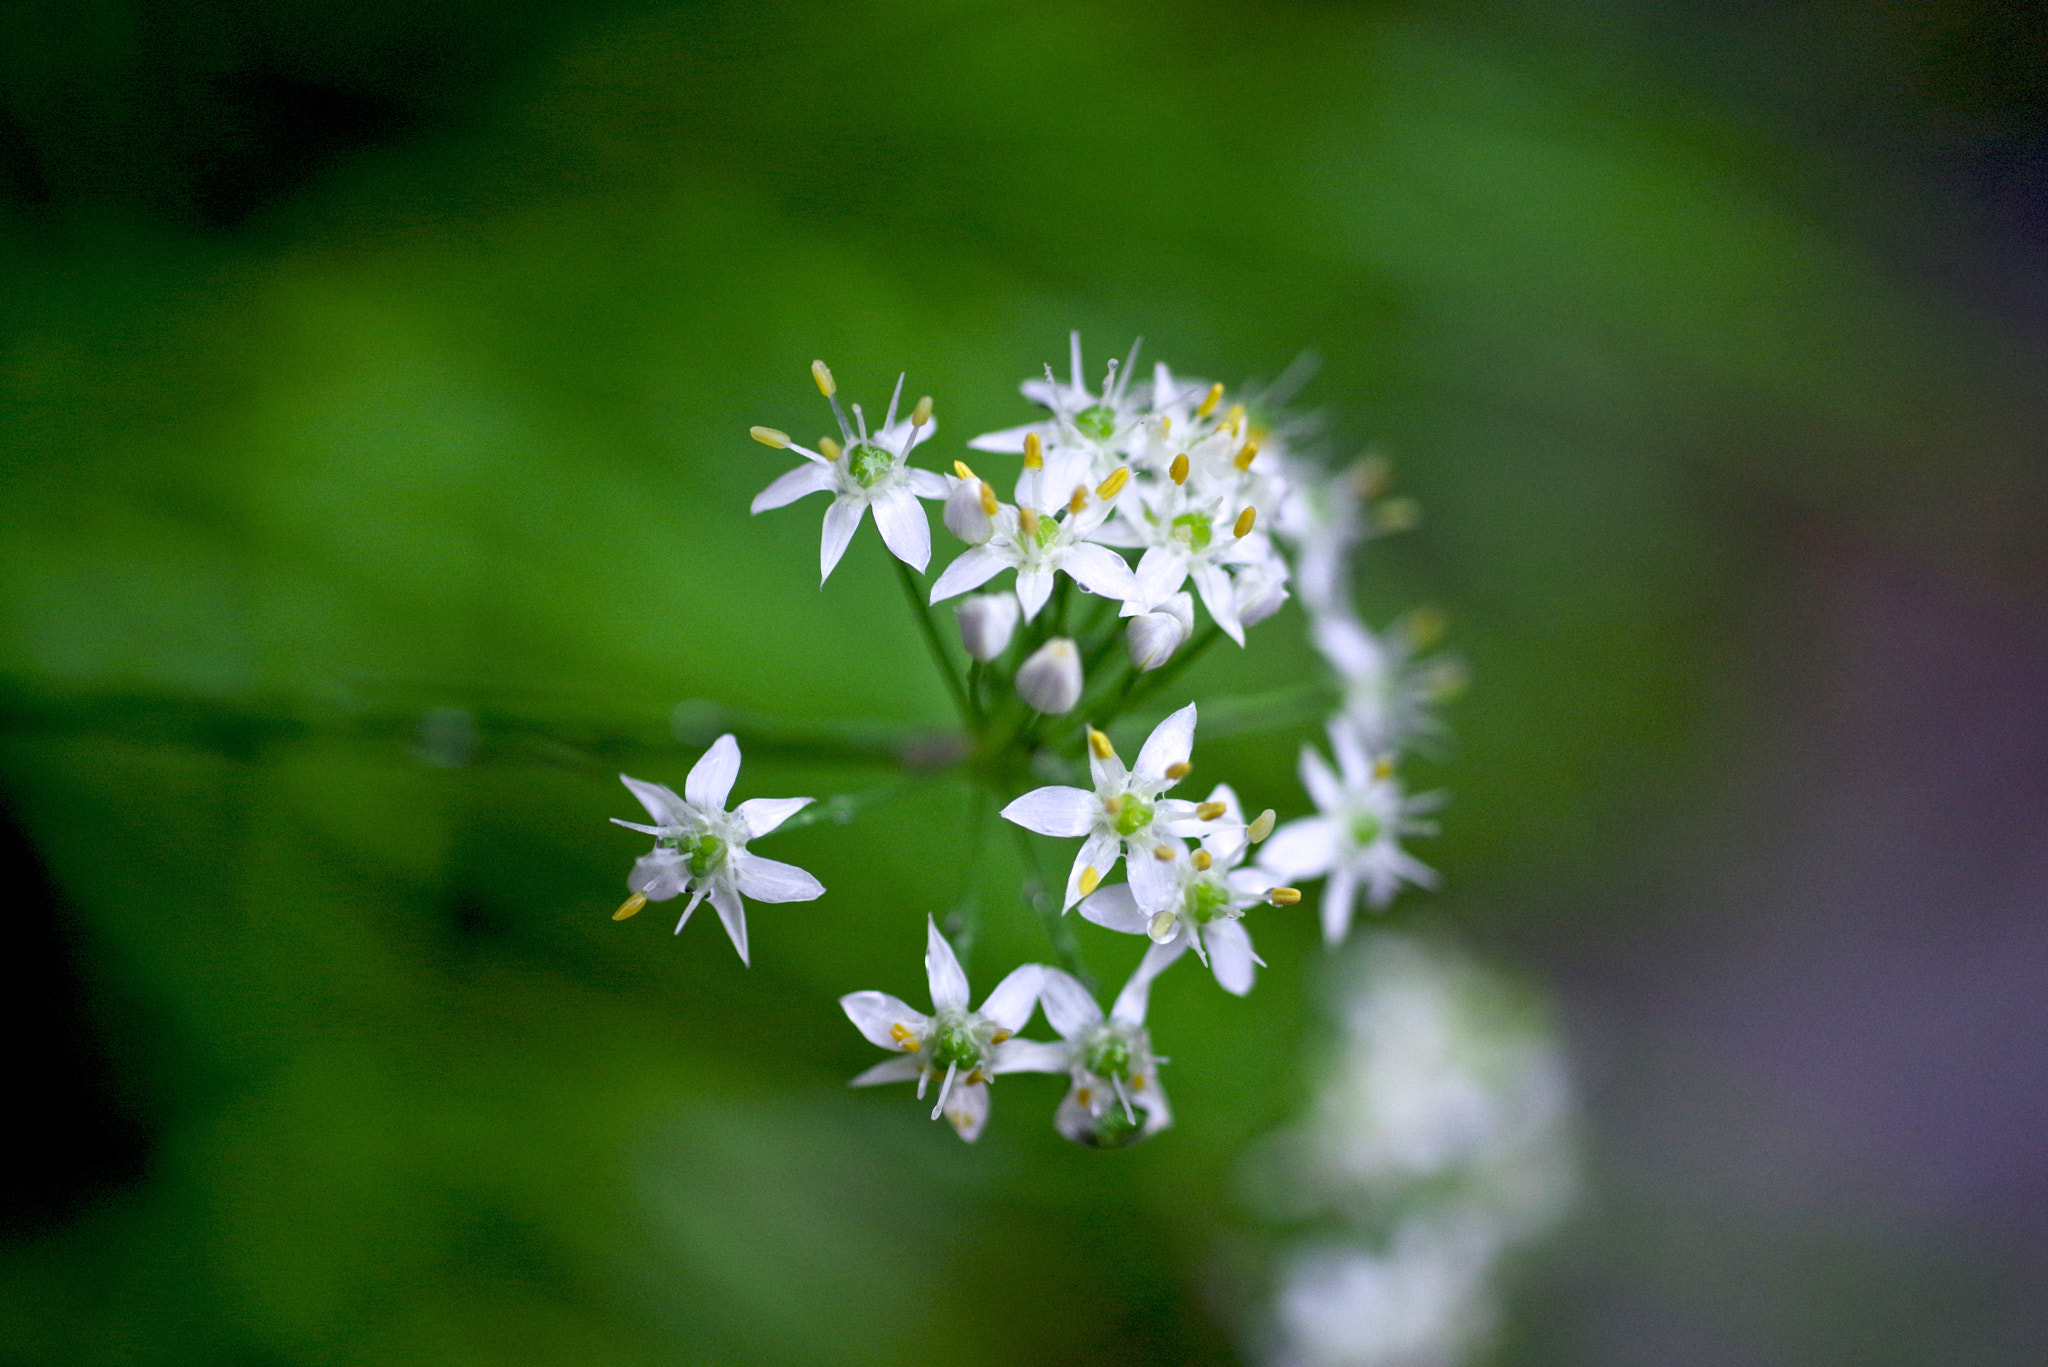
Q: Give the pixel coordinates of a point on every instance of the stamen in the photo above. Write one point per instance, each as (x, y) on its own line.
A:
(1113, 805)
(1084, 1095)
(960, 469)
(1165, 425)
(1244, 522)
(1132, 1119)
(1260, 828)
(1164, 853)
(906, 1037)
(1209, 404)
(1202, 861)
(921, 414)
(973, 1077)
(1178, 471)
(823, 375)
(1079, 500)
(630, 907)
(945, 1090)
(1178, 770)
(1209, 811)
(1034, 452)
(1027, 520)
(768, 436)
(1246, 456)
(988, 499)
(1234, 418)
(1090, 880)
(829, 448)
(1284, 897)
(1000, 1035)
(1099, 746)
(1163, 925)
(1114, 485)
(1383, 769)
(1138, 1083)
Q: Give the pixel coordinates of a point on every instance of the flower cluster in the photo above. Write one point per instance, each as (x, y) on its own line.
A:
(1147, 519)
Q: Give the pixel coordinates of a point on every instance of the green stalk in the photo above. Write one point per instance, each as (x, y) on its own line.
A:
(1136, 693)
(914, 591)
(1057, 927)
(964, 924)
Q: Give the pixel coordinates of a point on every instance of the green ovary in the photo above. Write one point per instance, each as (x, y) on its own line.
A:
(1098, 422)
(868, 463)
(954, 1045)
(1193, 529)
(1109, 1057)
(1365, 828)
(705, 852)
(1133, 817)
(1207, 900)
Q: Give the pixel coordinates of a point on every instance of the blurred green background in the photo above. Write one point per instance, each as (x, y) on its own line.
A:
(363, 360)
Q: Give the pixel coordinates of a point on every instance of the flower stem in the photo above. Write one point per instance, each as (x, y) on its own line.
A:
(964, 924)
(1057, 928)
(913, 590)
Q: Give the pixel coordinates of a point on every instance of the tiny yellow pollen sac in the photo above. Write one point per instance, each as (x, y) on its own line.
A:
(1138, 1083)
(1113, 805)
(960, 469)
(1027, 520)
(1178, 471)
(1034, 452)
(1262, 827)
(1284, 897)
(1209, 811)
(1209, 404)
(1179, 770)
(1234, 418)
(1114, 485)
(1245, 457)
(1099, 746)
(975, 1076)
(988, 500)
(1000, 1035)
(823, 375)
(828, 448)
(1383, 769)
(1163, 853)
(1165, 426)
(1202, 860)
(1090, 880)
(1244, 522)
(1084, 1095)
(1079, 500)
(921, 414)
(905, 1036)
(768, 436)
(630, 907)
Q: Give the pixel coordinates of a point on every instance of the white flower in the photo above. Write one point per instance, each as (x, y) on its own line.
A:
(970, 507)
(1114, 1072)
(1154, 636)
(1189, 532)
(1099, 423)
(1356, 837)
(1206, 896)
(701, 848)
(1047, 532)
(1387, 691)
(869, 471)
(961, 1047)
(1049, 680)
(1124, 816)
(987, 621)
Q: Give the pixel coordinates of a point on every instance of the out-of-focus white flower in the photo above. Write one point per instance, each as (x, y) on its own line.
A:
(1099, 422)
(866, 471)
(1388, 692)
(961, 1047)
(700, 848)
(1356, 838)
(987, 621)
(1124, 814)
(1050, 680)
(1115, 1099)
(1154, 636)
(1426, 1301)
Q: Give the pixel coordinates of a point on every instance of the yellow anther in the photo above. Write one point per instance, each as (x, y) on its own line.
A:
(1114, 485)
(823, 375)
(1165, 426)
(1397, 514)
(1244, 522)
(1000, 1035)
(1027, 520)
(1090, 880)
(976, 1076)
(1202, 861)
(630, 907)
(960, 469)
(988, 499)
(1113, 805)
(1425, 627)
(828, 448)
(1138, 1083)
(1099, 746)
(1260, 828)
(1209, 404)
(1209, 811)
(1163, 925)
(1284, 897)
(1163, 853)
(768, 436)
(1383, 769)
(906, 1037)
(1084, 1095)
(1034, 452)
(1234, 418)
(921, 414)
(1178, 471)
(1179, 770)
(1079, 500)
(1245, 457)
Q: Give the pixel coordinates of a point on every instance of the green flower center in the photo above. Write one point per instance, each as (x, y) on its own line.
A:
(868, 463)
(1098, 422)
(705, 852)
(1114, 1130)
(1193, 530)
(1206, 900)
(1365, 828)
(957, 1043)
(1133, 816)
(1109, 1056)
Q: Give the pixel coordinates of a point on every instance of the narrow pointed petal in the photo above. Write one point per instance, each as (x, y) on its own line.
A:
(1340, 895)
(805, 479)
(970, 569)
(1154, 882)
(771, 880)
(1015, 998)
(1033, 588)
(733, 913)
(942, 969)
(874, 1013)
(1301, 849)
(1102, 571)
(1230, 955)
(1008, 442)
(1099, 852)
(1032, 1056)
(1131, 1002)
(1171, 742)
(661, 804)
(636, 826)
(967, 1109)
(842, 519)
(1160, 574)
(710, 780)
(927, 483)
(1323, 788)
(1221, 599)
(764, 814)
(901, 520)
(659, 874)
(903, 1069)
(1069, 1007)
(1056, 811)
(1115, 908)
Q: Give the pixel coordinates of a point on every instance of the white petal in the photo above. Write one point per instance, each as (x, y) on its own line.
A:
(1033, 588)
(903, 1069)
(1221, 599)
(942, 969)
(659, 874)
(1171, 743)
(1160, 573)
(873, 1013)
(1063, 812)
(1101, 570)
(1322, 785)
(1301, 849)
(1015, 998)
(901, 520)
(1069, 1008)
(732, 912)
(1032, 1056)
(967, 1109)
(710, 780)
(1099, 852)
(1155, 882)
(1131, 1002)
(1230, 955)
(661, 804)
(1008, 442)
(1115, 908)
(1350, 752)
(927, 483)
(971, 569)
(805, 479)
(771, 880)
(764, 814)
(842, 519)
(1340, 894)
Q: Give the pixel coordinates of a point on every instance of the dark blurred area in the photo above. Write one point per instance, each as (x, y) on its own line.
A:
(362, 360)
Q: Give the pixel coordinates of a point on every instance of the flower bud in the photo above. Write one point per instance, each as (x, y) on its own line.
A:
(986, 623)
(966, 516)
(1153, 637)
(1050, 681)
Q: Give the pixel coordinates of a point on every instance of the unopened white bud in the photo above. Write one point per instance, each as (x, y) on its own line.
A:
(966, 515)
(1050, 681)
(1153, 637)
(986, 623)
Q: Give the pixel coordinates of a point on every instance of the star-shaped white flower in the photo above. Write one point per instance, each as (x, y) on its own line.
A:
(868, 471)
(1206, 897)
(1099, 424)
(701, 849)
(1115, 1098)
(963, 1048)
(1356, 837)
(1125, 816)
